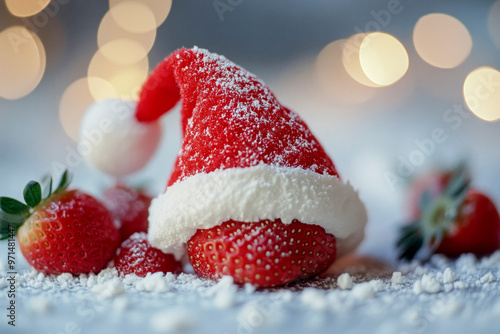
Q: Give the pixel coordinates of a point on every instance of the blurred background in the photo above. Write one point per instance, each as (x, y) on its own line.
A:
(391, 88)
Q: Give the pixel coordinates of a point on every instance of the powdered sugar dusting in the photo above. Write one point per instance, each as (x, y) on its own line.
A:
(192, 303)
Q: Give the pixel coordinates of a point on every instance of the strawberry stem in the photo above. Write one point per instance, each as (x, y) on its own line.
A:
(437, 216)
(13, 213)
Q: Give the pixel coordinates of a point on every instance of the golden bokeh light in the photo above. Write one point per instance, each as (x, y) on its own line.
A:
(133, 16)
(441, 40)
(160, 8)
(351, 60)
(22, 62)
(75, 101)
(123, 51)
(109, 31)
(25, 8)
(494, 23)
(383, 58)
(482, 93)
(335, 81)
(126, 80)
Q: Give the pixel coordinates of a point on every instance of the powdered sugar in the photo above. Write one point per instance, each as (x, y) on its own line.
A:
(344, 281)
(255, 193)
(397, 278)
(449, 276)
(190, 302)
(427, 284)
(153, 283)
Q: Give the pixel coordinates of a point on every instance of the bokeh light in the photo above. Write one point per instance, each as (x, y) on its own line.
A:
(383, 58)
(335, 81)
(126, 80)
(25, 8)
(482, 93)
(133, 16)
(441, 40)
(123, 51)
(160, 8)
(351, 60)
(22, 62)
(494, 23)
(76, 99)
(109, 31)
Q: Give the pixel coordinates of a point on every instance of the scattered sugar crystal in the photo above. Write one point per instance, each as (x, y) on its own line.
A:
(106, 275)
(427, 284)
(417, 287)
(363, 291)
(131, 279)
(249, 288)
(344, 281)
(314, 299)
(153, 283)
(488, 278)
(449, 276)
(225, 292)
(460, 285)
(109, 289)
(91, 281)
(64, 278)
(430, 284)
(377, 285)
(173, 320)
(397, 278)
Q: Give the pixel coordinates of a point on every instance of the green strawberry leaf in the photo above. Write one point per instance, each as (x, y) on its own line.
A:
(13, 207)
(47, 189)
(65, 181)
(33, 193)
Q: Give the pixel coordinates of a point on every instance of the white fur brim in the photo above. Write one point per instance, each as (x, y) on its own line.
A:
(252, 194)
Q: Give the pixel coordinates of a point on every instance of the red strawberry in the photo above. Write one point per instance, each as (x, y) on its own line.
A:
(137, 256)
(265, 254)
(68, 231)
(451, 218)
(129, 208)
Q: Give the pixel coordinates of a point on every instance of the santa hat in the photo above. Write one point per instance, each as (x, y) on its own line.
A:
(244, 156)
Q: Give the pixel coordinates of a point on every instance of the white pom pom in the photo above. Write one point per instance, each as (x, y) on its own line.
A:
(113, 141)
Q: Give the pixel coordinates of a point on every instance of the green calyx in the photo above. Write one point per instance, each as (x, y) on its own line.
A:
(438, 215)
(14, 213)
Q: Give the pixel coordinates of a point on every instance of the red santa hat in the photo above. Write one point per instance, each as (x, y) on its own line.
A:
(244, 156)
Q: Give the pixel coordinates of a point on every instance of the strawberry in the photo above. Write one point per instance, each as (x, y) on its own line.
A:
(265, 254)
(129, 207)
(451, 218)
(67, 231)
(137, 256)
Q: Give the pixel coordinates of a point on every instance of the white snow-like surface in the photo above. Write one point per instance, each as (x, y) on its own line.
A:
(451, 295)
(253, 194)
